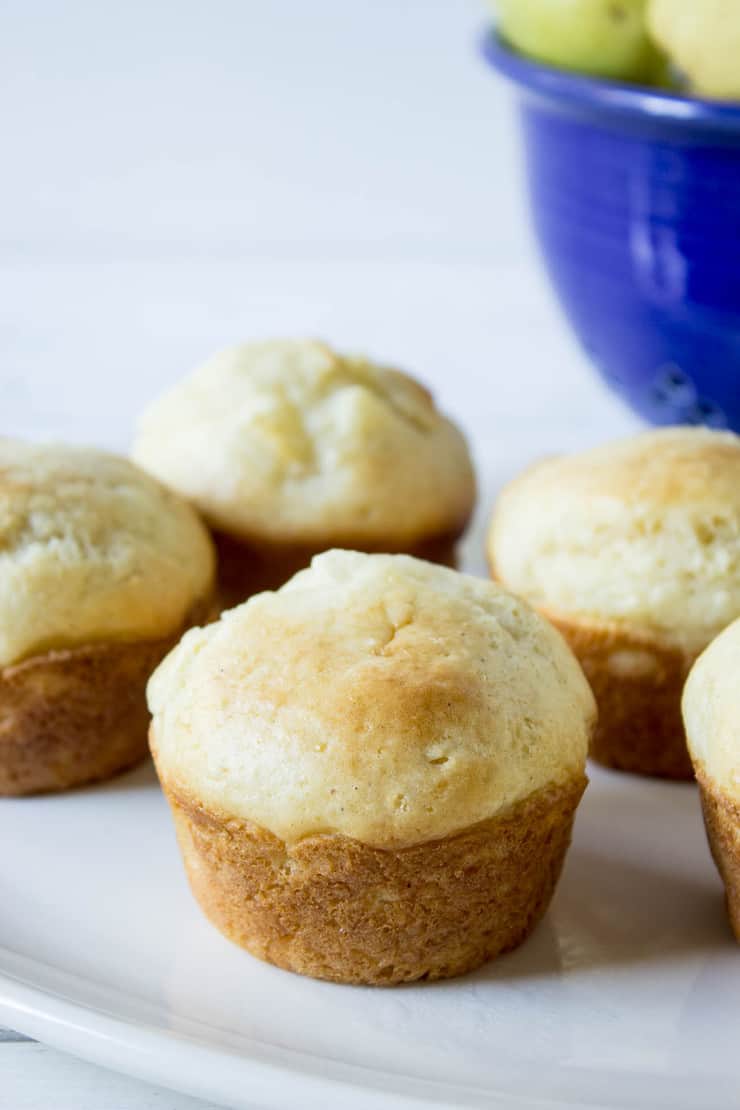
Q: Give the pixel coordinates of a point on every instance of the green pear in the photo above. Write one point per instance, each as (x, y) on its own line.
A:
(606, 38)
(702, 39)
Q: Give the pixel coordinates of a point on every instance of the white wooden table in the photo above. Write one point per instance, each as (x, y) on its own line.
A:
(182, 176)
(33, 1077)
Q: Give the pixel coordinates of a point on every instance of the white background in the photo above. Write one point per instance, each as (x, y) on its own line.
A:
(363, 128)
(179, 175)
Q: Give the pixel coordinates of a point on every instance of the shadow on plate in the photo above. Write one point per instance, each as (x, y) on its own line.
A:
(617, 913)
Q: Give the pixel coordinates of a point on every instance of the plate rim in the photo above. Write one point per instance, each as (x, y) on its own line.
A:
(174, 1059)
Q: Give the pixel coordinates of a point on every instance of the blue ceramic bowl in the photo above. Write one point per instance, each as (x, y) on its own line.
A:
(635, 198)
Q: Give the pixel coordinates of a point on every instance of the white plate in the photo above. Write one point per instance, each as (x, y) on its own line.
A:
(626, 996)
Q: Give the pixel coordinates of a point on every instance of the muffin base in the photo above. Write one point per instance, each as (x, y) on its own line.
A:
(722, 822)
(335, 908)
(637, 683)
(74, 716)
(78, 715)
(246, 568)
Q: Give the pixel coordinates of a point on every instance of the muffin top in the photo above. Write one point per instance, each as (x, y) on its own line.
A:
(378, 696)
(645, 532)
(289, 442)
(91, 549)
(711, 711)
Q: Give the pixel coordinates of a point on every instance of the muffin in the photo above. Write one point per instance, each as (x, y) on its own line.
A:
(633, 551)
(711, 710)
(288, 448)
(373, 772)
(101, 570)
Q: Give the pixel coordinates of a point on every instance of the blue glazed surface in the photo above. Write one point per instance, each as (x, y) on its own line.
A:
(635, 198)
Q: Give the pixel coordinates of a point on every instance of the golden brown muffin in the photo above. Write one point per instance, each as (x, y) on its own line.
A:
(374, 771)
(711, 709)
(288, 448)
(633, 551)
(101, 570)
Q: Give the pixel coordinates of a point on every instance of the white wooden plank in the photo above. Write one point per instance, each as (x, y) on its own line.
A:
(34, 1077)
(9, 1036)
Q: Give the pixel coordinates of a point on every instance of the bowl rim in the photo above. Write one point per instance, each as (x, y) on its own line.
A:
(604, 95)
